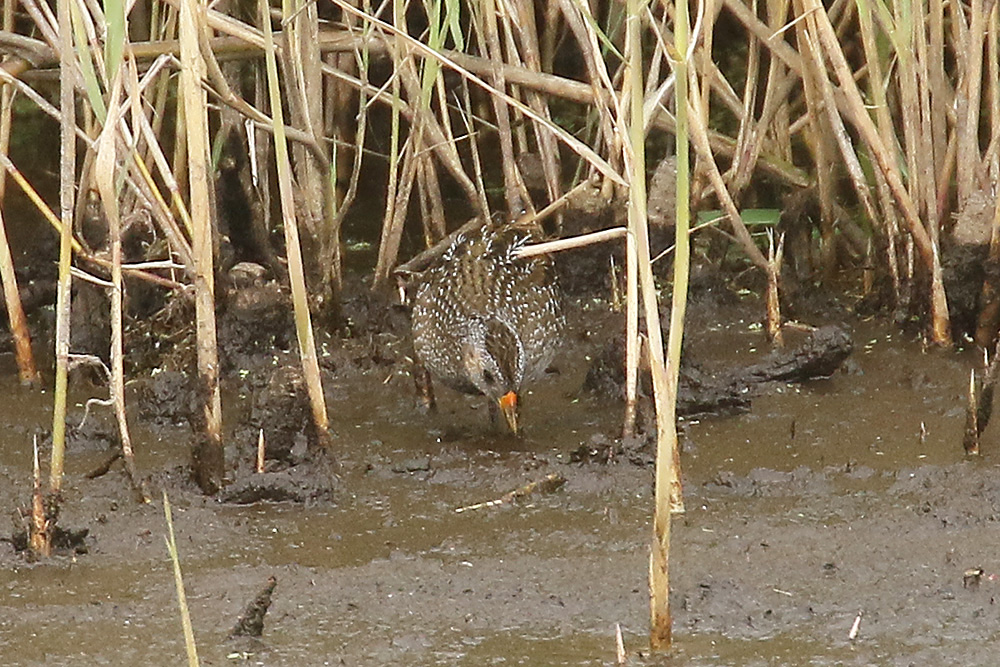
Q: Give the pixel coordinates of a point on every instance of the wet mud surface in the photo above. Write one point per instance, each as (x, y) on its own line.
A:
(826, 501)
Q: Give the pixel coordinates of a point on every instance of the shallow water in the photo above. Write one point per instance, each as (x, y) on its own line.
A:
(827, 499)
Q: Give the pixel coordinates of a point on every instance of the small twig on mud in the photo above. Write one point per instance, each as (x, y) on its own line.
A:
(620, 645)
(549, 484)
(972, 577)
(260, 451)
(853, 634)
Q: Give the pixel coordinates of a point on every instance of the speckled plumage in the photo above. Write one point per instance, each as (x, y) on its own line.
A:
(484, 320)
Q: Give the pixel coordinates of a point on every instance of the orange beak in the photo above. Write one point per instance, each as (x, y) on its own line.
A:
(508, 406)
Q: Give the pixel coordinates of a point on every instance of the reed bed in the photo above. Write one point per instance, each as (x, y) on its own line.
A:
(872, 124)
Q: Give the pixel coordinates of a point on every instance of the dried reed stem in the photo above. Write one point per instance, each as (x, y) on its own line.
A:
(171, 540)
(665, 373)
(40, 528)
(813, 75)
(632, 340)
(477, 163)
(302, 67)
(572, 242)
(530, 52)
(989, 315)
(105, 173)
(20, 334)
(67, 180)
(261, 451)
(877, 91)
(515, 192)
(970, 439)
(296, 273)
(699, 137)
(209, 456)
(15, 312)
(970, 172)
(822, 31)
(772, 300)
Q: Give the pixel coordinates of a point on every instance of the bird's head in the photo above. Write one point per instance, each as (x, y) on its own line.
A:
(493, 359)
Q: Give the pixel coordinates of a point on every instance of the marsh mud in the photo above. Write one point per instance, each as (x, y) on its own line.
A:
(825, 502)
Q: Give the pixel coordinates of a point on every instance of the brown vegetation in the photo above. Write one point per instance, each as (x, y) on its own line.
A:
(870, 123)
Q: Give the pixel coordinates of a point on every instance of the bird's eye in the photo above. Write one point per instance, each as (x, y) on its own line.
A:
(488, 377)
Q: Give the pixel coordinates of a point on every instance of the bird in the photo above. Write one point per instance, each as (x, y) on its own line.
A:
(487, 321)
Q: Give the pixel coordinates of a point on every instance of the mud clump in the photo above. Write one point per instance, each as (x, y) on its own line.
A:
(64, 542)
(165, 397)
(282, 411)
(728, 391)
(301, 484)
(257, 320)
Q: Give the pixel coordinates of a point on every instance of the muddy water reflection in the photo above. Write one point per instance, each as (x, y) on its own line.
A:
(896, 406)
(391, 575)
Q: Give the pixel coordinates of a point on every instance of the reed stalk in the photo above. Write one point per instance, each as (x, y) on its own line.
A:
(340, 93)
(821, 30)
(926, 166)
(637, 201)
(819, 143)
(15, 312)
(302, 68)
(531, 57)
(989, 298)
(473, 136)
(515, 193)
(425, 130)
(25, 358)
(106, 172)
(744, 136)
(293, 251)
(40, 528)
(969, 165)
(392, 231)
(666, 374)
(208, 453)
(189, 643)
(992, 156)
(67, 190)
(633, 344)
(583, 25)
(698, 131)
(772, 302)
(888, 221)
(828, 103)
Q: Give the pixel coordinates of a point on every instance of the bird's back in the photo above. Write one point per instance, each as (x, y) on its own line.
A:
(480, 279)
